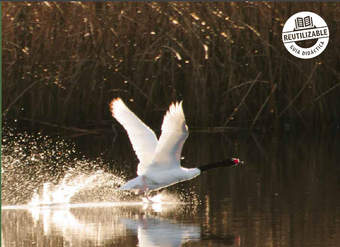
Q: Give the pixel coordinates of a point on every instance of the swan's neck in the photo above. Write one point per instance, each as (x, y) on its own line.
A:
(223, 163)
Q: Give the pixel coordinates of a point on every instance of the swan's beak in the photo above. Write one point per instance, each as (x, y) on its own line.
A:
(237, 162)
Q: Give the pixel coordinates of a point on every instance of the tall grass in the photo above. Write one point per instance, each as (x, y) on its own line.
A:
(64, 62)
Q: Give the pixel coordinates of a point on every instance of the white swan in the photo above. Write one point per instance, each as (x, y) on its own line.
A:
(159, 160)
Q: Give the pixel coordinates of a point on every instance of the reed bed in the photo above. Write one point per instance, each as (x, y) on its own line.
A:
(64, 61)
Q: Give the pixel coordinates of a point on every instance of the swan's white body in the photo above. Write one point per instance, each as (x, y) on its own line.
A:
(159, 160)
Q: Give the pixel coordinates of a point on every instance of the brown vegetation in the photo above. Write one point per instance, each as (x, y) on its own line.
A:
(64, 62)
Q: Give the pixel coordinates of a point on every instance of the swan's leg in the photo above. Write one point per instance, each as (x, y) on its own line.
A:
(144, 184)
(146, 190)
(146, 194)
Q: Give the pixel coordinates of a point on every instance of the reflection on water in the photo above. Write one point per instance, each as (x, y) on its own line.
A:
(286, 195)
(155, 231)
(96, 224)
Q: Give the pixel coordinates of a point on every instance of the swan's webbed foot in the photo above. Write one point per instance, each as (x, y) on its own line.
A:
(147, 196)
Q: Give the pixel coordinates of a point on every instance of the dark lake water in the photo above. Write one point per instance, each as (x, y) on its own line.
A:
(286, 194)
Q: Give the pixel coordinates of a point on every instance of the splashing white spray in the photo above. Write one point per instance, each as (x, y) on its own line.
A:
(70, 185)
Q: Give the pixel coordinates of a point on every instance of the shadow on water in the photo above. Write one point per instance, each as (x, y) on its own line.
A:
(287, 194)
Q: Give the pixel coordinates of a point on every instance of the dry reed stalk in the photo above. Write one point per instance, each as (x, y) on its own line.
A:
(155, 53)
(242, 100)
(263, 105)
(300, 91)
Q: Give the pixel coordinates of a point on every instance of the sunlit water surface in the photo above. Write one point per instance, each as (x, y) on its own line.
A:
(58, 192)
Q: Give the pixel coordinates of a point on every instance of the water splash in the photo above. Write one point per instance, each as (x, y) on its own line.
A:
(163, 197)
(71, 185)
(38, 169)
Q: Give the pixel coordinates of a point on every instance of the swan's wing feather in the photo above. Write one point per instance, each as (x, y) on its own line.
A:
(174, 133)
(142, 138)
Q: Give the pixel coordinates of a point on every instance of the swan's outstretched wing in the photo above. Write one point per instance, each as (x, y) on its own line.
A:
(174, 134)
(142, 138)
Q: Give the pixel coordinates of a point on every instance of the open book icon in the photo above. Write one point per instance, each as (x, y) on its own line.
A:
(303, 23)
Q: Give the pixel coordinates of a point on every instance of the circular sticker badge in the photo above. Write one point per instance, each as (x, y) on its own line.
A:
(305, 35)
